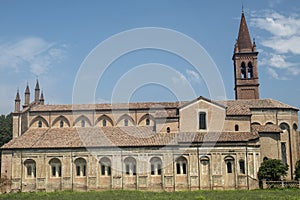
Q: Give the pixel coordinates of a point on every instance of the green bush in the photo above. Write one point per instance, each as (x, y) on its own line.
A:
(272, 170)
(297, 171)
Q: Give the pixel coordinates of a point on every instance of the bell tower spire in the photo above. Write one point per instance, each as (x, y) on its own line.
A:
(245, 64)
(37, 92)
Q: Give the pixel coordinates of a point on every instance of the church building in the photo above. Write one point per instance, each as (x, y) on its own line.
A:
(160, 146)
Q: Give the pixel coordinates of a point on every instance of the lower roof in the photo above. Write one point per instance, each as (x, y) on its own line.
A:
(40, 138)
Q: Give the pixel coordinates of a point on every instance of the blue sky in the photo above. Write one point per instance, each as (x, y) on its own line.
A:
(51, 39)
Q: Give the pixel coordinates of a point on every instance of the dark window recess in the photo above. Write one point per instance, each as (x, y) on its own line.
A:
(178, 168)
(202, 120)
(152, 169)
(229, 167)
(242, 166)
(283, 153)
(236, 127)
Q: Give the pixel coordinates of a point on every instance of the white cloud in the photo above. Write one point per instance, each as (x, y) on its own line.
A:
(34, 53)
(180, 79)
(284, 45)
(273, 73)
(277, 61)
(283, 40)
(193, 76)
(277, 24)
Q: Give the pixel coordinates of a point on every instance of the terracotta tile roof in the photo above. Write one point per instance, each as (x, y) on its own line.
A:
(268, 128)
(107, 106)
(243, 107)
(219, 137)
(233, 107)
(114, 136)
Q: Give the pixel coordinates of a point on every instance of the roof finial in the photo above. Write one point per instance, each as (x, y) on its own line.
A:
(242, 8)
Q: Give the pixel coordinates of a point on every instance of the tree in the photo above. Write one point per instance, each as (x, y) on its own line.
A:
(297, 171)
(272, 170)
(5, 128)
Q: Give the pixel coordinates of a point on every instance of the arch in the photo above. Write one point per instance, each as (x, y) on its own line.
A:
(250, 70)
(255, 123)
(109, 121)
(80, 166)
(105, 166)
(39, 119)
(156, 166)
(204, 158)
(243, 70)
(125, 118)
(55, 167)
(268, 123)
(228, 158)
(295, 127)
(284, 126)
(146, 117)
(30, 167)
(60, 119)
(130, 166)
(82, 119)
(229, 161)
(181, 165)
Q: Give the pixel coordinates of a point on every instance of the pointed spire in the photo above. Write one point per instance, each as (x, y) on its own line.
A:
(27, 96)
(244, 40)
(42, 100)
(37, 86)
(27, 91)
(18, 96)
(17, 102)
(37, 92)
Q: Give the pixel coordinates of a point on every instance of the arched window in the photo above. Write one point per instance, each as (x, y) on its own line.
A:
(30, 167)
(130, 166)
(105, 166)
(268, 123)
(284, 126)
(147, 122)
(236, 127)
(265, 158)
(250, 70)
(104, 122)
(156, 166)
(181, 165)
(55, 167)
(40, 124)
(242, 166)
(204, 165)
(243, 71)
(61, 123)
(295, 127)
(82, 123)
(125, 122)
(168, 130)
(80, 165)
(229, 164)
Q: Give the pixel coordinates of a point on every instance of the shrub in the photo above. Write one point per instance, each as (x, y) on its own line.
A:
(272, 170)
(297, 171)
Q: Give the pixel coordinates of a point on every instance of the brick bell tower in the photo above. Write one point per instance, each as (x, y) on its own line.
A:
(245, 64)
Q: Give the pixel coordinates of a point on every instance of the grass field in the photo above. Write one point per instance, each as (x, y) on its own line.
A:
(138, 195)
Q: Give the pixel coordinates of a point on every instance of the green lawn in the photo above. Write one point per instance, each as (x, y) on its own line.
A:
(138, 195)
